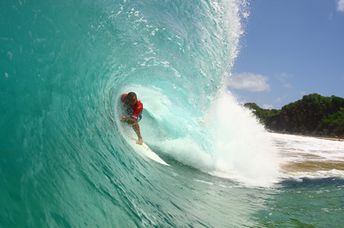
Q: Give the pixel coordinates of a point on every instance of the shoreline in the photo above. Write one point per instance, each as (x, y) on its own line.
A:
(331, 138)
(341, 139)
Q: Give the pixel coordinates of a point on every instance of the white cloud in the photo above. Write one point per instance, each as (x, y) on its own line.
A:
(340, 5)
(249, 82)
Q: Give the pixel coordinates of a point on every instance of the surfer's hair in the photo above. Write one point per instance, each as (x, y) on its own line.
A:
(131, 95)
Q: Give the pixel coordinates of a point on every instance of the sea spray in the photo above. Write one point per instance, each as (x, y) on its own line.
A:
(243, 149)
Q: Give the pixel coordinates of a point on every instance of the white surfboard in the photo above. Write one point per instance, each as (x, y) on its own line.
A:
(145, 151)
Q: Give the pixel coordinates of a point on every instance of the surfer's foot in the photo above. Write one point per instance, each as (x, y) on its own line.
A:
(139, 141)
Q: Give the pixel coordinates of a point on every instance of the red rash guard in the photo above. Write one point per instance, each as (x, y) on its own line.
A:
(133, 110)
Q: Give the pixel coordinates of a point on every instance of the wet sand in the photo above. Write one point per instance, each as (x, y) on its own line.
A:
(313, 166)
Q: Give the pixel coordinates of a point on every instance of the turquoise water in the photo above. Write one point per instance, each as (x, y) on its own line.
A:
(65, 161)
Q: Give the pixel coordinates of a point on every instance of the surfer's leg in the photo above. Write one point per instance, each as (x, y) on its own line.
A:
(136, 128)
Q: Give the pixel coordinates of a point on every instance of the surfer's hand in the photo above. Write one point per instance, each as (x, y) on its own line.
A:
(139, 141)
(123, 118)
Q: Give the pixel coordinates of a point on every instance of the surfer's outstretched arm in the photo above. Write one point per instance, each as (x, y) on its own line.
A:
(135, 126)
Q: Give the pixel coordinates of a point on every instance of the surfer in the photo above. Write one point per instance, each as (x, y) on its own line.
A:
(133, 108)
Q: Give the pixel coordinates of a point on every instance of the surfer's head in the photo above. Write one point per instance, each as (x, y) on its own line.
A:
(131, 98)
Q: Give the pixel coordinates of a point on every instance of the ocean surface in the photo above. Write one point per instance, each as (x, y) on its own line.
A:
(67, 161)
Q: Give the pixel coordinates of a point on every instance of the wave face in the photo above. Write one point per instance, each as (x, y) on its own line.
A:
(64, 161)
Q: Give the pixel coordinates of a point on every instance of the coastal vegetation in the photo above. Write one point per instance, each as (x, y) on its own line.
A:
(312, 115)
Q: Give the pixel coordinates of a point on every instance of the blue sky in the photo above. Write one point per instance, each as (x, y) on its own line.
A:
(290, 48)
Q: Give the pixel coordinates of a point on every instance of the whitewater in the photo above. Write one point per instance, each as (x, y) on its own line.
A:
(66, 160)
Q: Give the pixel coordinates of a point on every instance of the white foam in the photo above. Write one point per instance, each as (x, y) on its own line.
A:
(304, 145)
(243, 150)
(315, 175)
(187, 151)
